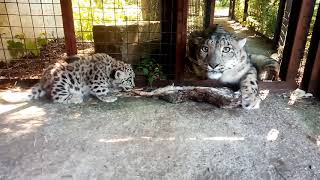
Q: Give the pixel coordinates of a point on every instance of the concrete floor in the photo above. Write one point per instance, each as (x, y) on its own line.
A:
(139, 138)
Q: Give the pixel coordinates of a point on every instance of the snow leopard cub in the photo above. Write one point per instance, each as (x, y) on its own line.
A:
(99, 75)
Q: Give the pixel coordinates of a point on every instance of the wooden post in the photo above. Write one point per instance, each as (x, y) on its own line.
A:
(295, 41)
(209, 13)
(181, 38)
(277, 32)
(213, 6)
(167, 52)
(245, 11)
(311, 76)
(232, 6)
(68, 27)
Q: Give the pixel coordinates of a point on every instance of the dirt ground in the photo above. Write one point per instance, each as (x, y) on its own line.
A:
(139, 138)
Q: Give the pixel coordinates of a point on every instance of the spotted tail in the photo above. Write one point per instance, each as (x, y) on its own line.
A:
(266, 66)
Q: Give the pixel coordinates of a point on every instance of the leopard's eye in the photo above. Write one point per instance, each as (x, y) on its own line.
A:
(226, 49)
(204, 49)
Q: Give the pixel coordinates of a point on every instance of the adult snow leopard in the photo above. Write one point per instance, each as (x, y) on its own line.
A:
(221, 56)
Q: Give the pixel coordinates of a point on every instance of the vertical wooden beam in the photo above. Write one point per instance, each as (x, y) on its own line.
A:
(232, 6)
(277, 31)
(213, 6)
(293, 53)
(68, 27)
(245, 11)
(181, 38)
(209, 13)
(311, 76)
(167, 52)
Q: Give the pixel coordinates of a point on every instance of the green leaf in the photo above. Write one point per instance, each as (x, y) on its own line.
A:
(16, 48)
(31, 47)
(42, 41)
(150, 80)
(145, 71)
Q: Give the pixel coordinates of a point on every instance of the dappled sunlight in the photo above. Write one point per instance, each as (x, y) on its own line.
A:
(4, 108)
(297, 95)
(32, 112)
(318, 140)
(237, 26)
(14, 96)
(23, 121)
(272, 135)
(116, 140)
(223, 139)
(155, 139)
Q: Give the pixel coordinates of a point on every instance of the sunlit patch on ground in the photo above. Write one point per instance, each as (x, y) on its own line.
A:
(9, 107)
(14, 96)
(155, 139)
(19, 119)
(297, 95)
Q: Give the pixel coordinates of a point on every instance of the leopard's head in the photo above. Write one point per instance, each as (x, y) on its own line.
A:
(123, 78)
(223, 53)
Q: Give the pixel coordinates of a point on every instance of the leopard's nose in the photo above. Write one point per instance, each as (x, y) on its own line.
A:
(213, 66)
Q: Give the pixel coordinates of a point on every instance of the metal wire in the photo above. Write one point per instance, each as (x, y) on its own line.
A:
(136, 23)
(25, 28)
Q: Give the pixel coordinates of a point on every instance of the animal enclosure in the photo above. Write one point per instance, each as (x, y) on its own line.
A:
(149, 34)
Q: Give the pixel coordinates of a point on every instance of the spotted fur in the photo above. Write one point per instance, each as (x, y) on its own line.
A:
(99, 75)
(223, 57)
(268, 68)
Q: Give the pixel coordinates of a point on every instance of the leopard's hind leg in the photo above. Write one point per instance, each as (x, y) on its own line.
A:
(249, 90)
(68, 90)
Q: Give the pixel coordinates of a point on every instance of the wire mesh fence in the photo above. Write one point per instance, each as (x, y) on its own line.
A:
(27, 27)
(128, 30)
(140, 32)
(196, 13)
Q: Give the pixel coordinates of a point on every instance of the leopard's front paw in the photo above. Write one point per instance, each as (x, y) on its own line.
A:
(107, 98)
(250, 102)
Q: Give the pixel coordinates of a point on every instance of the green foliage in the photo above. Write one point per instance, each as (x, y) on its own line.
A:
(16, 48)
(150, 69)
(91, 12)
(22, 46)
(262, 15)
(222, 3)
(239, 9)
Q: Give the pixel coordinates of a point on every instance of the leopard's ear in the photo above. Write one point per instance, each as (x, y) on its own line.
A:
(119, 74)
(197, 40)
(242, 42)
(116, 74)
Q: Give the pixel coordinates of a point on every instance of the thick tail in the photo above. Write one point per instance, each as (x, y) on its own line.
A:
(268, 68)
(37, 92)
